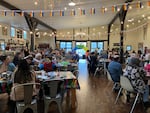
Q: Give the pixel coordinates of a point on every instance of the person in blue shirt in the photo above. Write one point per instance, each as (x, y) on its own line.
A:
(6, 64)
(75, 57)
(115, 69)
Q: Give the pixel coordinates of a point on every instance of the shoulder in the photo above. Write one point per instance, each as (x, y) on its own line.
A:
(12, 64)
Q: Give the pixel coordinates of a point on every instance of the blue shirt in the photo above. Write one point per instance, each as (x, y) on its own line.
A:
(115, 70)
(11, 67)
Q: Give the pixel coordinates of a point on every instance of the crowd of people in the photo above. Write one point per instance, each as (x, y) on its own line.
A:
(24, 64)
(133, 69)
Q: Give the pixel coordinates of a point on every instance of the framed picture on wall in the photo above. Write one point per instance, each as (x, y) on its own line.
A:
(4, 30)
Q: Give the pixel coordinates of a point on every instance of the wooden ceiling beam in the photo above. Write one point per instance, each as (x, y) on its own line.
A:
(117, 15)
(11, 7)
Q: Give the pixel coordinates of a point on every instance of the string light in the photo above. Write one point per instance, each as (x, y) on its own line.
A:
(92, 11)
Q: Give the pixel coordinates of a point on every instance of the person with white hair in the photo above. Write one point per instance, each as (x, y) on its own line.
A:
(38, 59)
(135, 73)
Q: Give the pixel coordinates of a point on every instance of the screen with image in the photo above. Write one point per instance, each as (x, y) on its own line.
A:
(128, 47)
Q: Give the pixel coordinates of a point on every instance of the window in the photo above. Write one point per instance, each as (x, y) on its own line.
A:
(19, 33)
(66, 45)
(25, 34)
(97, 46)
(13, 32)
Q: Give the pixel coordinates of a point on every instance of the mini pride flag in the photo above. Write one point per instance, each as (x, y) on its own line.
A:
(148, 3)
(82, 12)
(61, 13)
(125, 7)
(103, 9)
(51, 13)
(139, 4)
(114, 8)
(73, 13)
(22, 13)
(92, 11)
(13, 13)
(32, 14)
(41, 13)
(4, 13)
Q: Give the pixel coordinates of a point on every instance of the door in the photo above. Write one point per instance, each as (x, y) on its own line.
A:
(81, 51)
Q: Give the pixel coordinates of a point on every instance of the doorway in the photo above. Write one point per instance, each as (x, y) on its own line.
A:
(81, 52)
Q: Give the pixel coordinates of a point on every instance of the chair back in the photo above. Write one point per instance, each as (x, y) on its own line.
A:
(126, 84)
(54, 87)
(28, 89)
(76, 73)
(109, 76)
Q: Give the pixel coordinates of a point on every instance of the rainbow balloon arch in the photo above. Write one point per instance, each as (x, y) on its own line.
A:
(80, 47)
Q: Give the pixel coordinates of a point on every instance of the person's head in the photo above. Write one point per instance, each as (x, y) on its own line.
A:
(23, 74)
(5, 59)
(92, 53)
(23, 65)
(29, 59)
(38, 56)
(134, 62)
(116, 57)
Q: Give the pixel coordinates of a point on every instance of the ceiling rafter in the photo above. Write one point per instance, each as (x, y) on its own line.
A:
(11, 7)
(117, 15)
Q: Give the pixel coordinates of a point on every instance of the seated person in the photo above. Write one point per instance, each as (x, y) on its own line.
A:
(93, 63)
(135, 73)
(21, 75)
(5, 64)
(115, 69)
(49, 65)
(38, 59)
(75, 57)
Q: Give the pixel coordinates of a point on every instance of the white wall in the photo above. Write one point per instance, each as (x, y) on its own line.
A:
(45, 39)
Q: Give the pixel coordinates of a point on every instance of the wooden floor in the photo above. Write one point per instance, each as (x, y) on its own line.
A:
(95, 96)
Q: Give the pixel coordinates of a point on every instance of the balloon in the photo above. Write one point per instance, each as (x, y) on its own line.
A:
(74, 49)
(80, 47)
(41, 66)
(85, 48)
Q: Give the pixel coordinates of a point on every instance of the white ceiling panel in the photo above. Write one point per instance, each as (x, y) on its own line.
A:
(67, 21)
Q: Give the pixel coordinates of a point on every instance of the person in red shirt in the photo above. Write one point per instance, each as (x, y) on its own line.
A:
(49, 65)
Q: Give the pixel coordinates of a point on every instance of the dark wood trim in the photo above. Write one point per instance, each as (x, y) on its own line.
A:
(64, 40)
(117, 15)
(11, 7)
(108, 37)
(83, 40)
(98, 40)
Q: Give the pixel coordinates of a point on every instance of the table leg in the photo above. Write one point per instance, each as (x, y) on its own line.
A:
(105, 69)
(73, 97)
